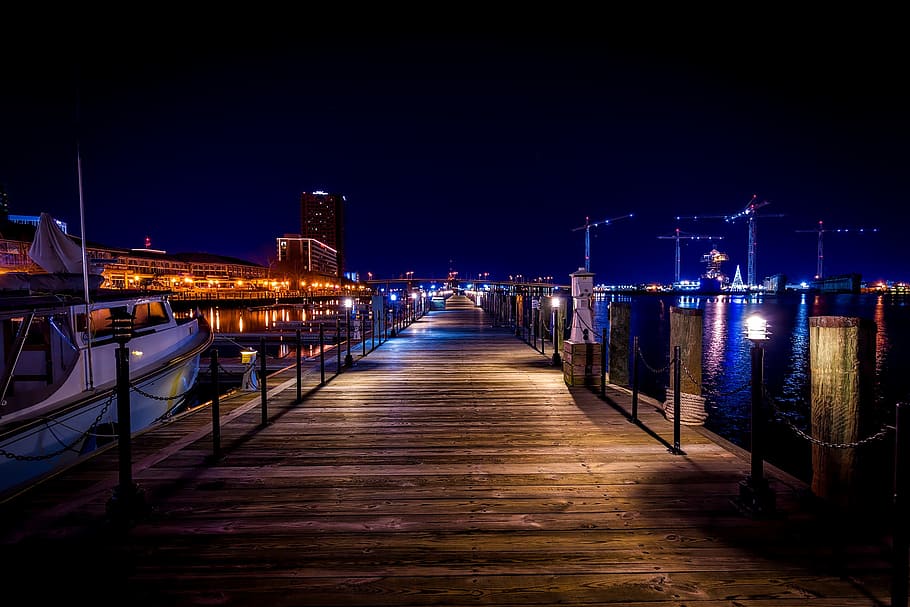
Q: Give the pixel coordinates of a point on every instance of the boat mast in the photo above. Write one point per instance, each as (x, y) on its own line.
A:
(89, 376)
(88, 308)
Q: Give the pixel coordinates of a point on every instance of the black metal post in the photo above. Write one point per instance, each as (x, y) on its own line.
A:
(556, 359)
(348, 359)
(603, 363)
(901, 503)
(755, 495)
(263, 391)
(363, 336)
(338, 345)
(216, 412)
(757, 462)
(299, 389)
(517, 323)
(676, 397)
(635, 379)
(529, 315)
(543, 332)
(123, 416)
(321, 354)
(126, 498)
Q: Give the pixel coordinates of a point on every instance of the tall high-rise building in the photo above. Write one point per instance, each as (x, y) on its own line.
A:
(322, 219)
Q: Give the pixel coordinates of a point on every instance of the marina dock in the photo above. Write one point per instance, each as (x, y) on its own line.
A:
(449, 466)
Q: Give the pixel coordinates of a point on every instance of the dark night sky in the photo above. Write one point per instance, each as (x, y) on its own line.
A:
(479, 150)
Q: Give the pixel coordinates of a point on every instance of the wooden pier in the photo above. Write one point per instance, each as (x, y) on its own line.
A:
(449, 466)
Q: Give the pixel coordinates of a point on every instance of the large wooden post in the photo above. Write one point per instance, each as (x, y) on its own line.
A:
(581, 359)
(686, 329)
(620, 333)
(842, 380)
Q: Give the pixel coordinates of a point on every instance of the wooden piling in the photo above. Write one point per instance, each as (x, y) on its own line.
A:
(686, 330)
(686, 327)
(842, 380)
(620, 331)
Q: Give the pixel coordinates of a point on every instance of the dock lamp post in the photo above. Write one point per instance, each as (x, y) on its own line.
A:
(755, 495)
(126, 498)
(393, 299)
(554, 305)
(348, 305)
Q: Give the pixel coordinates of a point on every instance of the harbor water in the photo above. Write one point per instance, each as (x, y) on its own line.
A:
(726, 364)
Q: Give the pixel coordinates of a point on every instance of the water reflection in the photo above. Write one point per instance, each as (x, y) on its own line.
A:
(726, 371)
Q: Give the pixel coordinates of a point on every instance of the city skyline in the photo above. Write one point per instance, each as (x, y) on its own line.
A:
(482, 152)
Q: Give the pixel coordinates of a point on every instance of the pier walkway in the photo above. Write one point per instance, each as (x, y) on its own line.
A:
(450, 466)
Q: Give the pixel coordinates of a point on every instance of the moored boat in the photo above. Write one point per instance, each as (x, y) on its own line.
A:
(58, 389)
(59, 344)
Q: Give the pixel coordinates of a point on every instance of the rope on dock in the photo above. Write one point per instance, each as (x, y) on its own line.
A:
(691, 408)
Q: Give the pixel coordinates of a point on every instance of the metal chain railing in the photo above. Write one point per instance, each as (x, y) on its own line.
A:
(153, 397)
(64, 447)
(779, 416)
(651, 368)
(714, 394)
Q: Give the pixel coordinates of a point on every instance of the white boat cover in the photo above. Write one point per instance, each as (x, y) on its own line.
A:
(53, 250)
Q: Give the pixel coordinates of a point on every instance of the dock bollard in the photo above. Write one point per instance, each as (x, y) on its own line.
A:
(262, 383)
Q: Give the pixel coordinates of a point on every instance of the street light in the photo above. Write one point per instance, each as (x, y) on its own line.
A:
(348, 305)
(755, 495)
(554, 305)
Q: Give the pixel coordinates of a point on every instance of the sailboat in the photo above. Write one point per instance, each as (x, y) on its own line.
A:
(58, 386)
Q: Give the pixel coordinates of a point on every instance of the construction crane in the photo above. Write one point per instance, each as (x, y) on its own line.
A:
(748, 212)
(821, 230)
(587, 228)
(682, 236)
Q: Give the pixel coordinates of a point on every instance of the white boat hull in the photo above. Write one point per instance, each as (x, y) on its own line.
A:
(59, 441)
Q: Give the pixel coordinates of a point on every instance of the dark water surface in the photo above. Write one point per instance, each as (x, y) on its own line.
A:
(726, 370)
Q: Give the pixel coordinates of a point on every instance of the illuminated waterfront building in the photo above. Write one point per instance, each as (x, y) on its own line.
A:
(299, 257)
(150, 269)
(322, 219)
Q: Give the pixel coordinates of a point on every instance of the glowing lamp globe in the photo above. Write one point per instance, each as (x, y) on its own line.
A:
(756, 328)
